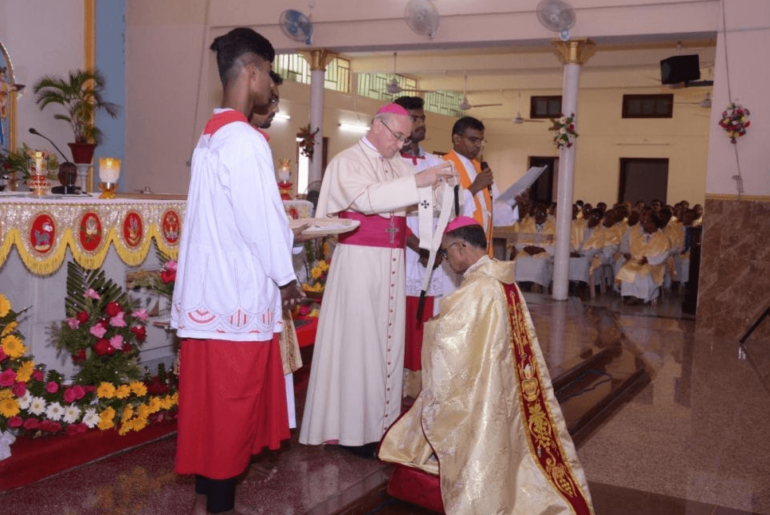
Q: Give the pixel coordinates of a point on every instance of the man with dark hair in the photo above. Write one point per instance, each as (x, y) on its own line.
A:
(262, 116)
(477, 182)
(643, 273)
(487, 413)
(234, 276)
(355, 385)
(416, 259)
(534, 248)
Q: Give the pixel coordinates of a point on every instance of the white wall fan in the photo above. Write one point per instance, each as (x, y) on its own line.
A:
(557, 16)
(422, 17)
(296, 26)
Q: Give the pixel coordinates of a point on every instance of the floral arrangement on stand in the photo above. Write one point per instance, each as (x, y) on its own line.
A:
(102, 334)
(564, 129)
(307, 141)
(735, 121)
(317, 263)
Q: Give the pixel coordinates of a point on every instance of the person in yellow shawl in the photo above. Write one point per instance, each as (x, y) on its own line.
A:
(642, 274)
(487, 415)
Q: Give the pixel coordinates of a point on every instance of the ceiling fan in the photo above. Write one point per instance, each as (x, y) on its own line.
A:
(705, 103)
(465, 105)
(518, 118)
(394, 88)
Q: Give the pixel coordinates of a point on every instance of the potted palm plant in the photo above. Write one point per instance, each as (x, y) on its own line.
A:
(81, 95)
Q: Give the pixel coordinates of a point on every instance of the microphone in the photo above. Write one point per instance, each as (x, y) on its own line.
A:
(32, 130)
(484, 168)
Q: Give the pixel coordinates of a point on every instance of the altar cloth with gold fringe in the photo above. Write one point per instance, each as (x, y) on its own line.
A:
(43, 229)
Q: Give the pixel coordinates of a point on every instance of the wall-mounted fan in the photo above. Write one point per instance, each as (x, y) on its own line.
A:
(296, 26)
(422, 17)
(465, 105)
(558, 16)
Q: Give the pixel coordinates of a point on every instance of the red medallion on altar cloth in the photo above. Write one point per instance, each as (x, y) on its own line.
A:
(293, 213)
(170, 226)
(133, 229)
(42, 233)
(90, 231)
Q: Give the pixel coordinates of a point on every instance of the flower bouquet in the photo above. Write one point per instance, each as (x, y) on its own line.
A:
(307, 141)
(564, 131)
(735, 121)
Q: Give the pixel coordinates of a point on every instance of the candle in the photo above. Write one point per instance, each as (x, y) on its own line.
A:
(109, 169)
(39, 157)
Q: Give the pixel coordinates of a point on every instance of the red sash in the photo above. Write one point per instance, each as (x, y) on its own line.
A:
(375, 231)
(544, 442)
(219, 120)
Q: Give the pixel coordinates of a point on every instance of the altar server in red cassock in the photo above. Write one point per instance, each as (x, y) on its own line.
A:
(234, 273)
(356, 376)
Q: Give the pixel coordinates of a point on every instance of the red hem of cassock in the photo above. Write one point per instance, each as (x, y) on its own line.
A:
(414, 331)
(232, 404)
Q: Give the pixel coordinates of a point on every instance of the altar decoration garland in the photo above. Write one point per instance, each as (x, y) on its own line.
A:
(564, 131)
(42, 231)
(735, 121)
(307, 141)
(38, 402)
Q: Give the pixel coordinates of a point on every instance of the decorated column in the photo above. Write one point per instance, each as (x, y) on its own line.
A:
(573, 54)
(317, 59)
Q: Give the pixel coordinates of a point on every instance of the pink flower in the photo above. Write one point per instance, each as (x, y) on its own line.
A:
(89, 388)
(90, 292)
(37, 375)
(31, 423)
(97, 330)
(69, 395)
(19, 389)
(7, 378)
(52, 387)
(117, 320)
(141, 314)
(170, 265)
(116, 342)
(80, 392)
(73, 323)
(2, 354)
(15, 421)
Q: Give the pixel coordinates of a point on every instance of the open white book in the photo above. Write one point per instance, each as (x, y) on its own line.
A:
(529, 178)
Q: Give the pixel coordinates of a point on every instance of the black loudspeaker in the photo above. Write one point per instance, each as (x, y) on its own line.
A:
(680, 68)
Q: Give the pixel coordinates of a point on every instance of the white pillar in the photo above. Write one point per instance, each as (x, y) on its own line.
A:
(317, 59)
(573, 55)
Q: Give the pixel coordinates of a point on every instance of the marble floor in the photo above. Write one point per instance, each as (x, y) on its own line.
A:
(695, 440)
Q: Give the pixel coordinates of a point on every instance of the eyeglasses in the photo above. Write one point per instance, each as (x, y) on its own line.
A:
(443, 252)
(475, 140)
(405, 140)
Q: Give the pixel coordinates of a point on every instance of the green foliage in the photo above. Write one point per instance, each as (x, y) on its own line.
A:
(81, 95)
(95, 304)
(17, 161)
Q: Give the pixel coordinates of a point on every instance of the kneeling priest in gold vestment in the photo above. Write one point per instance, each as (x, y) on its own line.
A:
(487, 421)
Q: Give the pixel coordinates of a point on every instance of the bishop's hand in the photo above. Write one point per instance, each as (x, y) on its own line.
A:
(435, 174)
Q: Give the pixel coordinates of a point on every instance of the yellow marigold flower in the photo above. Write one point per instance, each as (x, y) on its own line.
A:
(314, 313)
(13, 346)
(9, 328)
(155, 404)
(25, 371)
(127, 426)
(315, 272)
(166, 402)
(5, 393)
(140, 423)
(122, 391)
(106, 419)
(327, 249)
(128, 412)
(9, 408)
(138, 388)
(5, 305)
(323, 265)
(306, 286)
(175, 398)
(143, 411)
(106, 391)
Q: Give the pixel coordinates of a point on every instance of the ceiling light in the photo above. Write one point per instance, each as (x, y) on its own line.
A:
(353, 128)
(282, 116)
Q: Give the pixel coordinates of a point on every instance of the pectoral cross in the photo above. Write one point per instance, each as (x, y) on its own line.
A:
(392, 230)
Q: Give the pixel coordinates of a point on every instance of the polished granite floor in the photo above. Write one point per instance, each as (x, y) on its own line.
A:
(695, 440)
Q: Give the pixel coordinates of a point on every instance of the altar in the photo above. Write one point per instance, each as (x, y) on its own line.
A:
(39, 236)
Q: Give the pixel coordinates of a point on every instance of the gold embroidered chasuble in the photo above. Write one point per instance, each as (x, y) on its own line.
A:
(653, 250)
(487, 408)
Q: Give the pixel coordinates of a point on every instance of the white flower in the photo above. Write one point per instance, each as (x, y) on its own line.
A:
(25, 401)
(562, 131)
(91, 418)
(37, 406)
(54, 411)
(71, 414)
(563, 120)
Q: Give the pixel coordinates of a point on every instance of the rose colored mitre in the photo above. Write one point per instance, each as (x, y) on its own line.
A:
(393, 109)
(460, 221)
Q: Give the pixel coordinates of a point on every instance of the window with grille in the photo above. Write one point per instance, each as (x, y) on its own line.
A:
(648, 106)
(294, 68)
(545, 107)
